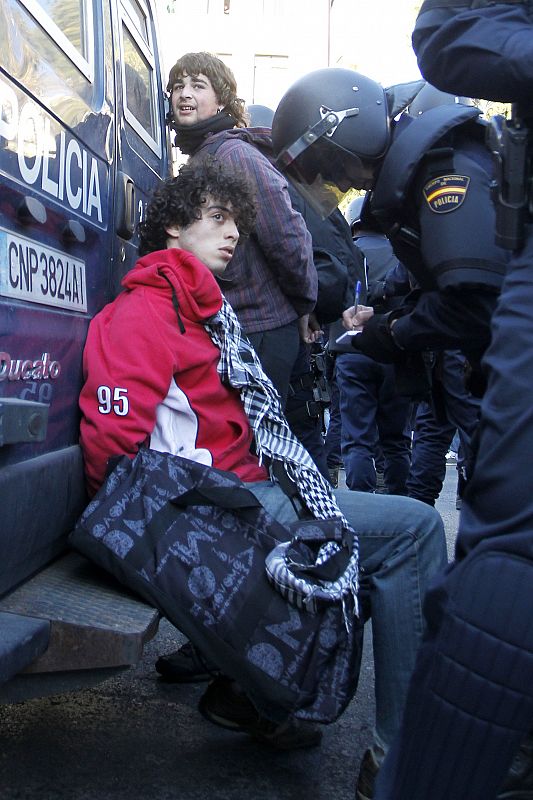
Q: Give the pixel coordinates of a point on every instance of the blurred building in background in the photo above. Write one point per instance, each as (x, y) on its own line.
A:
(271, 43)
(267, 43)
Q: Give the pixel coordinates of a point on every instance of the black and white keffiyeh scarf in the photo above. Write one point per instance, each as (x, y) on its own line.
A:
(240, 367)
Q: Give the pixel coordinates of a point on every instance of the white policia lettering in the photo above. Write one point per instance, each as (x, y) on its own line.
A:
(39, 150)
(449, 198)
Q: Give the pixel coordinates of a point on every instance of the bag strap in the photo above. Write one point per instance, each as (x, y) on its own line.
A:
(237, 499)
(289, 488)
(221, 496)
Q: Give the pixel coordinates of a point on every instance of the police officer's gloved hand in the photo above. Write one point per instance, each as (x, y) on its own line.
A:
(376, 294)
(376, 340)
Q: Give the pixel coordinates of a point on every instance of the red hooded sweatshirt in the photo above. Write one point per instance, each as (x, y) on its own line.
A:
(147, 382)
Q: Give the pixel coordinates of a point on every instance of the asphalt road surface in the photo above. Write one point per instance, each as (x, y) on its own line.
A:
(135, 737)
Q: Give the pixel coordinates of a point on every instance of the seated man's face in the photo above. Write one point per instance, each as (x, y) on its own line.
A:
(212, 239)
(193, 99)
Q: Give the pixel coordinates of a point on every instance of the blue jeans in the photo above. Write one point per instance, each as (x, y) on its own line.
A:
(401, 546)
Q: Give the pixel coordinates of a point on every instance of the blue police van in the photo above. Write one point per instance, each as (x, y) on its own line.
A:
(82, 144)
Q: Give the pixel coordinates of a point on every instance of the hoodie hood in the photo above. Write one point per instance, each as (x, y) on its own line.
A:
(195, 288)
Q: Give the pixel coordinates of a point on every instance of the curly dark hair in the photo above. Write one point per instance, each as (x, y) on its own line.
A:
(221, 77)
(179, 201)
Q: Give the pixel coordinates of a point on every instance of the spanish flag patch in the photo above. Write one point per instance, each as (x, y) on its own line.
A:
(446, 193)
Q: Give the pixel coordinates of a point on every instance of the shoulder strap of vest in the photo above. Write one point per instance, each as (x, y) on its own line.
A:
(408, 149)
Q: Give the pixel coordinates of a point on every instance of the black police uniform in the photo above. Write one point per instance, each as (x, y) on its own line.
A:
(432, 193)
(452, 408)
(375, 418)
(340, 265)
(433, 432)
(471, 695)
(433, 200)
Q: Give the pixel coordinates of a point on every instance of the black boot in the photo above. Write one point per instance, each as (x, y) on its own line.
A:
(461, 486)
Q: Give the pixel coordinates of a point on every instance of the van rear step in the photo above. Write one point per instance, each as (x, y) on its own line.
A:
(22, 640)
(94, 622)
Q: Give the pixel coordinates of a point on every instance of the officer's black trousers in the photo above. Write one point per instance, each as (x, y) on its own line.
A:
(432, 437)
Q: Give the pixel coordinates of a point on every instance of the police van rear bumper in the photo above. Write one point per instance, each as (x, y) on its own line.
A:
(70, 626)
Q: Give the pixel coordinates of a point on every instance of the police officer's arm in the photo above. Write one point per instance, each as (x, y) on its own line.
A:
(454, 319)
(485, 51)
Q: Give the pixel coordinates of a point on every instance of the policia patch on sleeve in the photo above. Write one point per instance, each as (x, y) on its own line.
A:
(446, 193)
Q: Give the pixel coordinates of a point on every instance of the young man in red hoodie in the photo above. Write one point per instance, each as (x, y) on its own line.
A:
(150, 365)
(166, 366)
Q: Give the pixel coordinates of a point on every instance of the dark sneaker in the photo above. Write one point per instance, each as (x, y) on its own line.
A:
(461, 486)
(186, 665)
(518, 784)
(293, 734)
(222, 705)
(228, 708)
(368, 771)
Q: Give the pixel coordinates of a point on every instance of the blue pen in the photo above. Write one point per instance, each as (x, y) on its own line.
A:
(357, 294)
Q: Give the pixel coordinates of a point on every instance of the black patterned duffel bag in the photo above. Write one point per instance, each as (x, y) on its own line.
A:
(194, 541)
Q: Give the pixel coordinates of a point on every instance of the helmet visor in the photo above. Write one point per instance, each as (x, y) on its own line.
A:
(324, 173)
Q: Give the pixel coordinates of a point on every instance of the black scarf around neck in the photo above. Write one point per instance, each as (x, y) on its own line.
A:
(190, 137)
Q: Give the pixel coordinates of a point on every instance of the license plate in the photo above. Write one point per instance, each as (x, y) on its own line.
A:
(35, 273)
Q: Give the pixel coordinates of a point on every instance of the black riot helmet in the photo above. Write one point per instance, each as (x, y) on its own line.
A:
(330, 132)
(260, 116)
(431, 97)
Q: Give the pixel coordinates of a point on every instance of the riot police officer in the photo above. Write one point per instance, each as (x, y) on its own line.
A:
(435, 425)
(471, 696)
(430, 178)
(430, 193)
